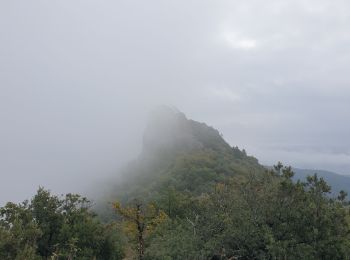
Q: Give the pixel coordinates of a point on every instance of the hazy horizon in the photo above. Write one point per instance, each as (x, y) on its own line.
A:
(79, 78)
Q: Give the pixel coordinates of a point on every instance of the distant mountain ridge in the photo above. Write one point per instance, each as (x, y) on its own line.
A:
(337, 181)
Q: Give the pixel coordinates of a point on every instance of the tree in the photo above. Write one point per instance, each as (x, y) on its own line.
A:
(58, 228)
(140, 220)
(47, 211)
(18, 232)
(257, 216)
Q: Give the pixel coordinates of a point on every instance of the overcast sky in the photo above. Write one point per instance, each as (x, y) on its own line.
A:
(78, 78)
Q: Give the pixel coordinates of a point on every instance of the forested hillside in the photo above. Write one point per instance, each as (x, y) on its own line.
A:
(210, 200)
(182, 155)
(189, 195)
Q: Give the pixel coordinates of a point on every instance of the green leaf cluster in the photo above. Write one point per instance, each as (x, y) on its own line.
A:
(56, 228)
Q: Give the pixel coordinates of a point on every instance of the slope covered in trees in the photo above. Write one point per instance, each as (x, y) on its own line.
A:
(189, 195)
(217, 202)
(258, 217)
(181, 155)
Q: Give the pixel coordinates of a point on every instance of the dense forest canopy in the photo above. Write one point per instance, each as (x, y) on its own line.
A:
(189, 195)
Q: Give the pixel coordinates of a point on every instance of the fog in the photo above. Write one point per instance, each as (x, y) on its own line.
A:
(78, 79)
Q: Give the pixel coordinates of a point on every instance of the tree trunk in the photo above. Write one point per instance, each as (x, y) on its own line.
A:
(140, 229)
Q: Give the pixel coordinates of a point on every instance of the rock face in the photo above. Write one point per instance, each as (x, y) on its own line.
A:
(169, 131)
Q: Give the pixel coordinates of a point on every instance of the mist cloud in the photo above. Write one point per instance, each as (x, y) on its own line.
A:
(77, 79)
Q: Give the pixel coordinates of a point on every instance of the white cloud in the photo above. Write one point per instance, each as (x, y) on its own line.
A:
(223, 93)
(237, 42)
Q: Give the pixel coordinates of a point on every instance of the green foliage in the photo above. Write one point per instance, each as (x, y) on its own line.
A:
(18, 232)
(57, 228)
(175, 239)
(259, 216)
(139, 222)
(336, 181)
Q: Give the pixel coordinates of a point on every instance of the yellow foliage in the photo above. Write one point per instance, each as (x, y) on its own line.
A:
(139, 218)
